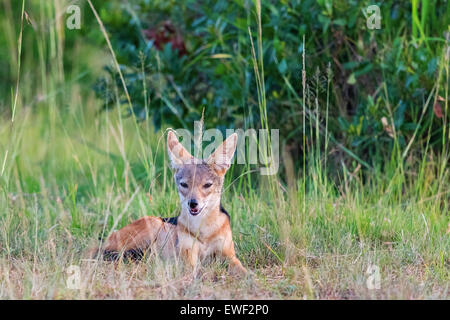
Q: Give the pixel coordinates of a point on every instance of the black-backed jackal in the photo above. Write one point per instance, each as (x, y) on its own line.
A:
(203, 227)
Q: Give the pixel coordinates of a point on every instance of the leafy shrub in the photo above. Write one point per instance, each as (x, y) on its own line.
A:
(179, 58)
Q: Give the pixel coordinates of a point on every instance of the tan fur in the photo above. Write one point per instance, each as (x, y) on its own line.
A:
(143, 234)
(194, 237)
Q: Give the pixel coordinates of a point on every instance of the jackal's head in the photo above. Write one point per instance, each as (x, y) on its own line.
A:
(200, 182)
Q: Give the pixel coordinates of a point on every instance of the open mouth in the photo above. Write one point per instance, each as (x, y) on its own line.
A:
(194, 211)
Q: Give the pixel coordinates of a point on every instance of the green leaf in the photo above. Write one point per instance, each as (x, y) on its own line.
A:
(282, 66)
(352, 79)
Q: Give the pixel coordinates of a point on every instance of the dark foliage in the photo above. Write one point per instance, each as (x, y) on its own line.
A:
(179, 58)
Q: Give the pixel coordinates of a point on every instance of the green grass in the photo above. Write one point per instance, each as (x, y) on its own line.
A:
(65, 185)
(69, 175)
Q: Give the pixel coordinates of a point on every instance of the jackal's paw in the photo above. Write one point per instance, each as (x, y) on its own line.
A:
(238, 271)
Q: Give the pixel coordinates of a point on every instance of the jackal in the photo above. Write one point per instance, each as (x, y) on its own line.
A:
(202, 229)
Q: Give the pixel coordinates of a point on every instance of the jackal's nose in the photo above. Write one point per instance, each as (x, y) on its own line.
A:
(192, 203)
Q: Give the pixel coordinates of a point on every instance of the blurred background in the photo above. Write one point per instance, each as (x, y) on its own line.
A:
(371, 90)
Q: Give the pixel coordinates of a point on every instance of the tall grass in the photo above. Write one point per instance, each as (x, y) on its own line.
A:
(70, 175)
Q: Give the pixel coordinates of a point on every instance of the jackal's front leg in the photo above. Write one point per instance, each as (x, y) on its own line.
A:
(190, 254)
(235, 264)
(190, 257)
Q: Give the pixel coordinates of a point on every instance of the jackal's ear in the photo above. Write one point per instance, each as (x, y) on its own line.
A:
(177, 153)
(220, 160)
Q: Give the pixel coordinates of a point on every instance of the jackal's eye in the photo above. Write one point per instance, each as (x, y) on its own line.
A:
(207, 185)
(184, 184)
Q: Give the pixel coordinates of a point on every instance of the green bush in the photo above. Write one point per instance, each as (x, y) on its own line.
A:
(179, 58)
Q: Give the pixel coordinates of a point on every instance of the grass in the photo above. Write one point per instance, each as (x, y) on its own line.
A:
(69, 175)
